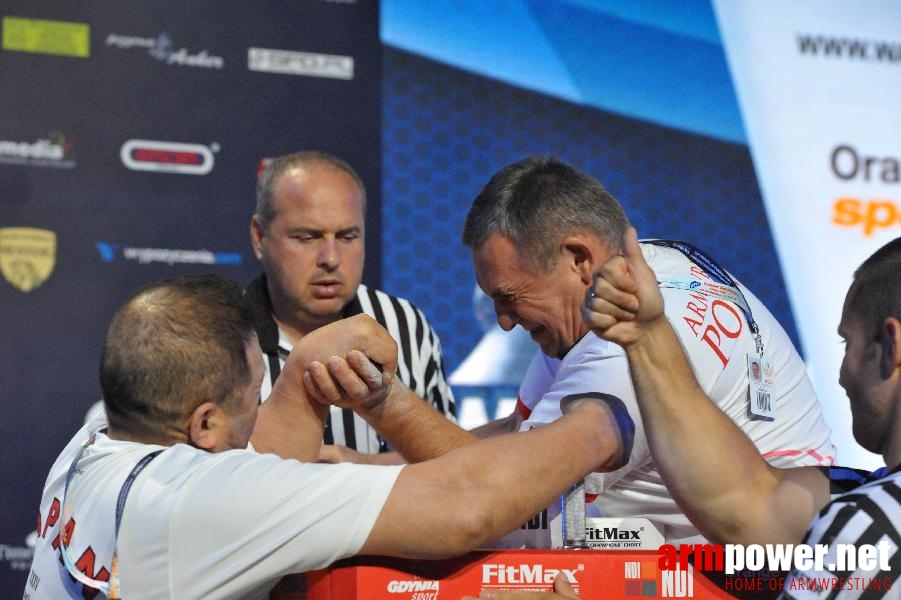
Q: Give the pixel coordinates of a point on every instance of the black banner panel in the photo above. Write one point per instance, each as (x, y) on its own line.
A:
(130, 140)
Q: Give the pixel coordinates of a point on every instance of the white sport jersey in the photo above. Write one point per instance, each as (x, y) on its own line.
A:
(197, 524)
(717, 338)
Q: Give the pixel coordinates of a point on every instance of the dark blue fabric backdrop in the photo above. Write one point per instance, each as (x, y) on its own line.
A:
(155, 74)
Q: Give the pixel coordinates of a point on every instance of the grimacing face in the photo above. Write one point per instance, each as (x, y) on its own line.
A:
(545, 305)
(313, 250)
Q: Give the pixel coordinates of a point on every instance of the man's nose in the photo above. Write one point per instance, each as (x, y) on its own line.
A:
(507, 319)
(329, 254)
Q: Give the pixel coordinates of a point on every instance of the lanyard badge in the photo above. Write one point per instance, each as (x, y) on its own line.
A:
(109, 589)
(760, 376)
(721, 285)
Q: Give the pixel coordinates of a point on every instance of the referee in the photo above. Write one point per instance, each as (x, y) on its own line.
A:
(308, 233)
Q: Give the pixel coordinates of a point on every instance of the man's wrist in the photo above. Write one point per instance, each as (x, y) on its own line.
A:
(649, 333)
(375, 411)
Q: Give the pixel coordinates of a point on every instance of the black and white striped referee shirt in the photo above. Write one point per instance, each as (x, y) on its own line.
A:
(420, 365)
(868, 514)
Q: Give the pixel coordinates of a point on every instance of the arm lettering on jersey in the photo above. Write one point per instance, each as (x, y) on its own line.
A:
(66, 534)
(86, 563)
(712, 321)
(52, 517)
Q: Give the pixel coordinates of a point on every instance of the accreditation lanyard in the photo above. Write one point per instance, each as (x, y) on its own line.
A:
(727, 288)
(110, 588)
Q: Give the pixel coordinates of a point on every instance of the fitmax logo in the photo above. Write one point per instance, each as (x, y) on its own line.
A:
(524, 574)
(613, 533)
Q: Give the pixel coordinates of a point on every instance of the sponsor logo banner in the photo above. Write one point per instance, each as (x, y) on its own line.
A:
(18, 557)
(818, 84)
(168, 157)
(27, 256)
(47, 37)
(110, 252)
(54, 151)
(592, 574)
(534, 576)
(419, 588)
(309, 64)
(611, 533)
(164, 50)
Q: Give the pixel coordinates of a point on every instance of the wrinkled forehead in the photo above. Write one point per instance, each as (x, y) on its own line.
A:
(497, 263)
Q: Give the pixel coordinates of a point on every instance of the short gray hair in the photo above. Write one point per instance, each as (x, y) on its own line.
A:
(536, 202)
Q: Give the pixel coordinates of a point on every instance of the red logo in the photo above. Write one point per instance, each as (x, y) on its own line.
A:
(167, 157)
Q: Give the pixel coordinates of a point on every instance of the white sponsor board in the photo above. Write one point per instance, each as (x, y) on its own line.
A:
(818, 83)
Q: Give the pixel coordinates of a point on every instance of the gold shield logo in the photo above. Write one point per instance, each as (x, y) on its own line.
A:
(27, 256)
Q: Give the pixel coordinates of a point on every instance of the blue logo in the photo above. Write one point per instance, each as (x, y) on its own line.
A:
(107, 251)
(228, 258)
(110, 252)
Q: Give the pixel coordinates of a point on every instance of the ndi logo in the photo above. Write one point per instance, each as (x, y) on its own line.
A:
(645, 579)
(677, 583)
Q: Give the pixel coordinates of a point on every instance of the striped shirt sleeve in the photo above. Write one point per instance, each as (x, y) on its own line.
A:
(867, 516)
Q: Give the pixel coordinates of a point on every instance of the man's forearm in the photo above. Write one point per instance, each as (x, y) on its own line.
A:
(710, 466)
(489, 488)
(507, 424)
(291, 421)
(289, 425)
(416, 430)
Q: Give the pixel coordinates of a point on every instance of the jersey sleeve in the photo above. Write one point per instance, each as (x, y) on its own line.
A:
(599, 368)
(536, 382)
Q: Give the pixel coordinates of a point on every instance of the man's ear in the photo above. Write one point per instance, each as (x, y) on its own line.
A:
(584, 254)
(890, 340)
(205, 426)
(256, 235)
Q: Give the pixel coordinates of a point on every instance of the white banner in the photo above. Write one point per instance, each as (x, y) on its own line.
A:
(819, 85)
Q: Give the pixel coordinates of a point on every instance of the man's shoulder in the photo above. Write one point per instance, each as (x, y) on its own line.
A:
(185, 465)
(374, 292)
(852, 516)
(877, 493)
